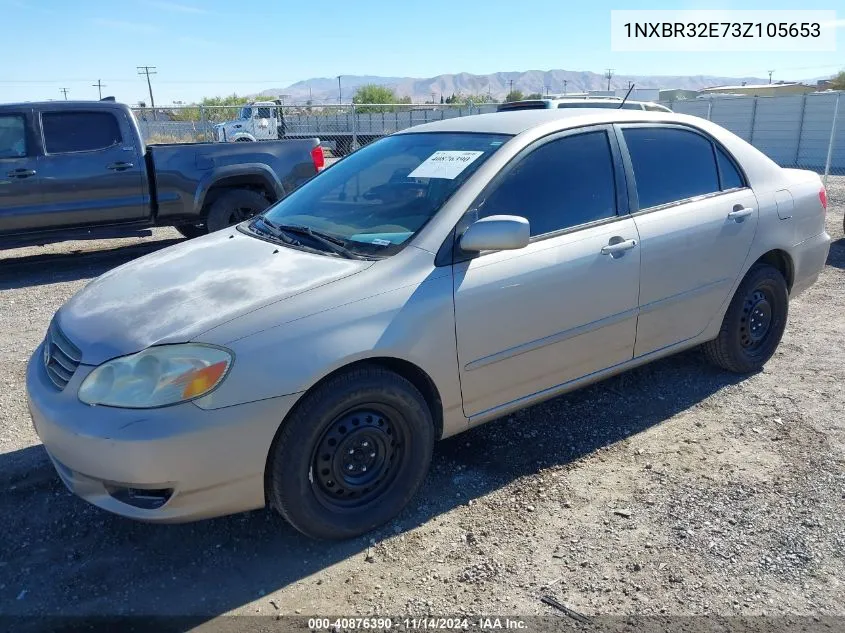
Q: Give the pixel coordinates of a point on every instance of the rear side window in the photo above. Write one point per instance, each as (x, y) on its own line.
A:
(79, 131)
(12, 136)
(729, 176)
(670, 164)
(561, 184)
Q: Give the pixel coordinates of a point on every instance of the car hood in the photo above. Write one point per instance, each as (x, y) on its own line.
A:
(176, 294)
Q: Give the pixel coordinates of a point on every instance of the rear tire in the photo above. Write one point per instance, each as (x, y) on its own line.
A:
(754, 323)
(234, 206)
(352, 454)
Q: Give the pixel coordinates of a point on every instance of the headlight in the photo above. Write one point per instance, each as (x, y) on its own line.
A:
(157, 377)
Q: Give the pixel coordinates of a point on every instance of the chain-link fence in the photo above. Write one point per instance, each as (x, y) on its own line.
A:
(806, 131)
(340, 128)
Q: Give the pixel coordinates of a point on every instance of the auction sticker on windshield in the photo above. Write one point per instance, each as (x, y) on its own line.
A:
(446, 164)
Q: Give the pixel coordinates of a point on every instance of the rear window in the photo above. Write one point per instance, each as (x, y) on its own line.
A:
(79, 131)
(524, 105)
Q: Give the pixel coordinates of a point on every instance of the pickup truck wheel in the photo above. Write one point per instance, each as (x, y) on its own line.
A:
(192, 230)
(754, 323)
(351, 455)
(234, 206)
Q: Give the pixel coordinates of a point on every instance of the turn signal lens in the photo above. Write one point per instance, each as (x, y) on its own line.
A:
(197, 381)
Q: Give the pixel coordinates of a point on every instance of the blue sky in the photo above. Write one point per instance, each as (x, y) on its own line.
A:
(215, 47)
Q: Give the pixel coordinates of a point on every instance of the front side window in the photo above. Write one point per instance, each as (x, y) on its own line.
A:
(670, 164)
(79, 131)
(12, 136)
(377, 198)
(561, 184)
(246, 113)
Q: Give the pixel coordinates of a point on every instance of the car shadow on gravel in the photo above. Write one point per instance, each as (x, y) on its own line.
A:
(85, 263)
(836, 256)
(63, 557)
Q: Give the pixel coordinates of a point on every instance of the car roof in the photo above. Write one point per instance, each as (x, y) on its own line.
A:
(518, 121)
(61, 103)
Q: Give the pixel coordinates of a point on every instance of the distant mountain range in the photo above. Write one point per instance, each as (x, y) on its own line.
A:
(325, 89)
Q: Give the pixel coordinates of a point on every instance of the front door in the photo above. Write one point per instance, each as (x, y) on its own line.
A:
(91, 171)
(564, 306)
(697, 218)
(20, 193)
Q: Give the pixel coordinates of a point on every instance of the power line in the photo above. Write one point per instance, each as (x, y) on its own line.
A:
(149, 70)
(64, 92)
(99, 86)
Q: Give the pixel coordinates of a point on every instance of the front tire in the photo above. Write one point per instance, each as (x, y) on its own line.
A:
(192, 230)
(352, 454)
(234, 206)
(754, 323)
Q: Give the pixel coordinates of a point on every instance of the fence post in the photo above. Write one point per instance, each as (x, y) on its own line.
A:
(354, 128)
(709, 108)
(800, 129)
(832, 138)
(204, 123)
(753, 121)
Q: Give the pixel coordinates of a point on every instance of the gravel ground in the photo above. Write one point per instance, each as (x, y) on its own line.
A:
(673, 489)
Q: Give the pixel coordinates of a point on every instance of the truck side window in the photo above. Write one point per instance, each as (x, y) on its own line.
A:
(265, 113)
(12, 136)
(79, 131)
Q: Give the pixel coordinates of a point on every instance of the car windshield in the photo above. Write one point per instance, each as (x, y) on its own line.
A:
(374, 200)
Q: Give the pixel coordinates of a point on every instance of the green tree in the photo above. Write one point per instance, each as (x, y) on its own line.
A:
(214, 110)
(838, 81)
(514, 95)
(534, 95)
(373, 93)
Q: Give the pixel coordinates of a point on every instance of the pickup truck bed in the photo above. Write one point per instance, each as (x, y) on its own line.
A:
(71, 170)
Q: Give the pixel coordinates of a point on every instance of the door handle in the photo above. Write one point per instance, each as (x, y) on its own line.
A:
(740, 213)
(120, 166)
(617, 248)
(21, 173)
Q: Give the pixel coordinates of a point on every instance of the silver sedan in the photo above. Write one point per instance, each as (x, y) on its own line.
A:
(436, 279)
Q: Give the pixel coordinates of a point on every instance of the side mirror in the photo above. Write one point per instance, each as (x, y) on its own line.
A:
(496, 233)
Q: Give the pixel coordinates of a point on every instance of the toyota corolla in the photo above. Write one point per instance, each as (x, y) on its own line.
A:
(309, 358)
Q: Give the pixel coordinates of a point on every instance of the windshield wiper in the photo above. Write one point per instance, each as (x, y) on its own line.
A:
(329, 242)
(273, 230)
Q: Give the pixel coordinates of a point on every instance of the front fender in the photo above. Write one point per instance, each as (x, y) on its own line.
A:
(262, 173)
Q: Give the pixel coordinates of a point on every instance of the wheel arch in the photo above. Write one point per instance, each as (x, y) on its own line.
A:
(254, 177)
(782, 261)
(408, 370)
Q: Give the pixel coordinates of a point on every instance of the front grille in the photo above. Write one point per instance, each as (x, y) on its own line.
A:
(61, 357)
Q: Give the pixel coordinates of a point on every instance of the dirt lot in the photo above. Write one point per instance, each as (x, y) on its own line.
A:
(673, 489)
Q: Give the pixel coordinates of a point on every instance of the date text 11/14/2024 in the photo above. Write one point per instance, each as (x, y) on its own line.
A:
(417, 623)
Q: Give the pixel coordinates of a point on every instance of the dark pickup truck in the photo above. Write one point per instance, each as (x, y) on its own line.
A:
(80, 170)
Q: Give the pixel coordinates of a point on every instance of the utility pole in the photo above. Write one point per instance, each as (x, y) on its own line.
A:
(64, 92)
(770, 75)
(546, 88)
(565, 81)
(339, 93)
(608, 73)
(510, 81)
(149, 70)
(432, 96)
(99, 86)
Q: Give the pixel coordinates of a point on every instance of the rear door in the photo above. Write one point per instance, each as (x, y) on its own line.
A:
(696, 217)
(91, 170)
(20, 194)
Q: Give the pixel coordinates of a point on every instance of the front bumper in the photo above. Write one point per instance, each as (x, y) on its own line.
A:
(200, 463)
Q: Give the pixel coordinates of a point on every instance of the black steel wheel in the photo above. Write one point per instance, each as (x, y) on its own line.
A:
(754, 322)
(351, 454)
(234, 206)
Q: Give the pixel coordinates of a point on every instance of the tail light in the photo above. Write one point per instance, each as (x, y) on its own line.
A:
(823, 198)
(318, 157)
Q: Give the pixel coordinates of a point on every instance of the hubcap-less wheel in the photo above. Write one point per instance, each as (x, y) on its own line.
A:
(756, 319)
(358, 457)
